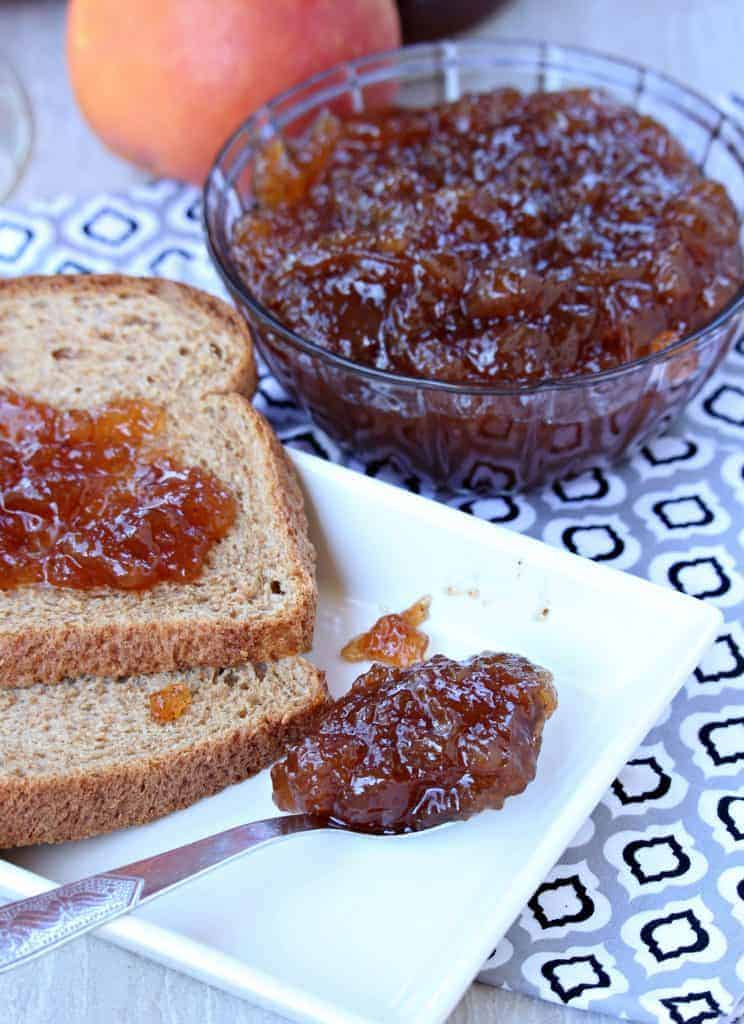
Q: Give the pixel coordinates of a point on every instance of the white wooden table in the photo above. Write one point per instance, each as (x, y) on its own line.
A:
(92, 982)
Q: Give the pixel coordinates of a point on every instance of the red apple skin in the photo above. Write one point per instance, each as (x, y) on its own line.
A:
(164, 82)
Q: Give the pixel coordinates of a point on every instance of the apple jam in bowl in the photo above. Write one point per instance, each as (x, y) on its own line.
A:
(485, 263)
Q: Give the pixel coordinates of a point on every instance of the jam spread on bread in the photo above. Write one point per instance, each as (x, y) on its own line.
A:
(394, 639)
(502, 239)
(89, 501)
(408, 748)
(170, 703)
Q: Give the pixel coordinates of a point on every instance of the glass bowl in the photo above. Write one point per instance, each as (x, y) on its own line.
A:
(467, 436)
(15, 129)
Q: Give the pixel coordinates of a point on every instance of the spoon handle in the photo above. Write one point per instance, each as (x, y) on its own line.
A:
(32, 927)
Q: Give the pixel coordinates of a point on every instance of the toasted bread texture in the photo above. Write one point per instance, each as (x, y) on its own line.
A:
(81, 340)
(87, 756)
(255, 598)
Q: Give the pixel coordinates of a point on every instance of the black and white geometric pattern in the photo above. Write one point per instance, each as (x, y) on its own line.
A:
(569, 900)
(648, 784)
(643, 917)
(679, 934)
(656, 858)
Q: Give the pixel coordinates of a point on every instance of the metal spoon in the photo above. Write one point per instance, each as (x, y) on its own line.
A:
(32, 927)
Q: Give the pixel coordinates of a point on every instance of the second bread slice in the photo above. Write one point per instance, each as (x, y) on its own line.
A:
(254, 601)
(87, 757)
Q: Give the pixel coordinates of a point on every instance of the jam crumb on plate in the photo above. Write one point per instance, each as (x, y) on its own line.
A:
(394, 639)
(409, 748)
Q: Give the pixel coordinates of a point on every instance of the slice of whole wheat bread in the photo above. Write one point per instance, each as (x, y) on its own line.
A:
(84, 339)
(86, 756)
(255, 598)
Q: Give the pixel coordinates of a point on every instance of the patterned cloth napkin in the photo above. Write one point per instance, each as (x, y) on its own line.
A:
(643, 917)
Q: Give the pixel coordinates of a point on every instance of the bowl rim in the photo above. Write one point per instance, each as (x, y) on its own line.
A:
(689, 342)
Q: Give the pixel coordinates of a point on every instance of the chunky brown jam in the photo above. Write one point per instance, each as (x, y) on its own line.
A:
(170, 703)
(503, 238)
(394, 639)
(87, 501)
(408, 748)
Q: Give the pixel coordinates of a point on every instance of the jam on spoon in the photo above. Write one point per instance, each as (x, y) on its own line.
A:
(409, 748)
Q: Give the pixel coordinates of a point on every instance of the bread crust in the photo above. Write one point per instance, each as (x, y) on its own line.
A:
(122, 649)
(77, 805)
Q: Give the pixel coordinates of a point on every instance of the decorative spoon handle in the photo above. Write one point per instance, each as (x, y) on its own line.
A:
(34, 926)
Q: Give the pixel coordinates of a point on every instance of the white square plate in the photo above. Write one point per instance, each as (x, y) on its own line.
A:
(339, 928)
